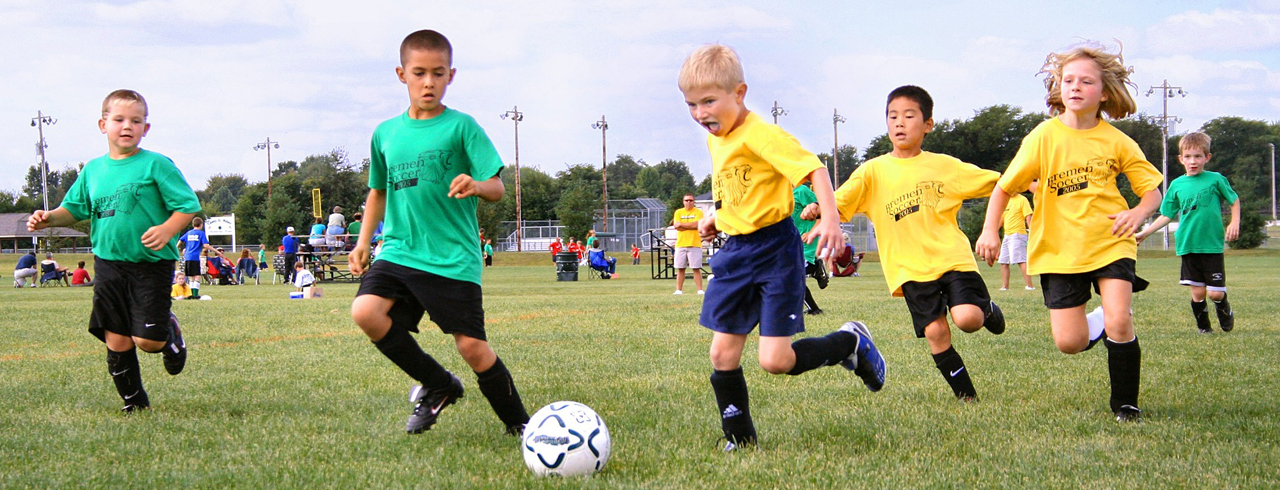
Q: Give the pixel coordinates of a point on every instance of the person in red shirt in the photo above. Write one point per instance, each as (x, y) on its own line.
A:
(635, 254)
(576, 247)
(555, 248)
(80, 277)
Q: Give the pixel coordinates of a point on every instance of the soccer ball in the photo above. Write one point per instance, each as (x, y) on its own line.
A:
(565, 439)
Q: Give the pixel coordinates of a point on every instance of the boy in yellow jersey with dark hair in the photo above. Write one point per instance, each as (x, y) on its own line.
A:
(1082, 230)
(912, 197)
(759, 273)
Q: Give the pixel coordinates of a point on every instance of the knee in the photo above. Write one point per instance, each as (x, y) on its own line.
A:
(475, 352)
(149, 345)
(724, 360)
(968, 319)
(1217, 295)
(775, 366)
(1071, 345)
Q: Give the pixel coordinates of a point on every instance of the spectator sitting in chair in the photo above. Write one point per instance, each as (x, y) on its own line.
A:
(80, 276)
(317, 239)
(51, 271)
(601, 262)
(246, 267)
(302, 277)
(226, 271)
(25, 272)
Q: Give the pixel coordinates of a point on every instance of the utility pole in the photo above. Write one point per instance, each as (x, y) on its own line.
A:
(604, 166)
(1273, 180)
(517, 116)
(267, 145)
(777, 111)
(39, 122)
(1166, 92)
(836, 119)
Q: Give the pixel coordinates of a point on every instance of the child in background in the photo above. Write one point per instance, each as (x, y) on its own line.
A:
(302, 277)
(80, 277)
(181, 288)
(1082, 229)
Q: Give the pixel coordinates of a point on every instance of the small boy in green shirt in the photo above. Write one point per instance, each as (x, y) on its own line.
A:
(430, 161)
(137, 201)
(1198, 196)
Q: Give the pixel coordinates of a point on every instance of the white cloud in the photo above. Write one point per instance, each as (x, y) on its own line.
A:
(1220, 30)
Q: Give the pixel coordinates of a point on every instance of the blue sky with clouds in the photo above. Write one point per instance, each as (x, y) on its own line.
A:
(315, 75)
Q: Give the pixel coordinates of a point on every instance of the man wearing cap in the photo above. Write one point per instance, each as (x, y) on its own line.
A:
(290, 244)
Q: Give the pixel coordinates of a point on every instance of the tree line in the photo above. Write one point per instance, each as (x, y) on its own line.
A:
(989, 139)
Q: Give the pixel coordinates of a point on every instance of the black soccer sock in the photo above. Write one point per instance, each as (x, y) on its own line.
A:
(734, 404)
(809, 302)
(1200, 310)
(953, 370)
(123, 368)
(828, 350)
(1223, 307)
(1124, 361)
(498, 387)
(398, 346)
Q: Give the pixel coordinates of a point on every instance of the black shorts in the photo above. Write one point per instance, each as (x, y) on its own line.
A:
(1063, 291)
(191, 268)
(932, 299)
(455, 306)
(131, 299)
(1205, 270)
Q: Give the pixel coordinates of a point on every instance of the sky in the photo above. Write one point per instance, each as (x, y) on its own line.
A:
(221, 77)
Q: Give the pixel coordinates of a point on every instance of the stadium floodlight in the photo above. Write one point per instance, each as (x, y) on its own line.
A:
(836, 119)
(517, 116)
(603, 126)
(777, 111)
(268, 145)
(39, 122)
(1166, 92)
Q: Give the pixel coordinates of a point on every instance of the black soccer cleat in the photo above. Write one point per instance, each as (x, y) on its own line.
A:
(1128, 413)
(130, 408)
(175, 354)
(1227, 321)
(813, 311)
(429, 403)
(994, 320)
(515, 430)
(821, 275)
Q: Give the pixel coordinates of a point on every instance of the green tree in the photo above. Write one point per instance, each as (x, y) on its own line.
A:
(577, 207)
(539, 194)
(249, 210)
(281, 213)
(1253, 232)
(622, 175)
(849, 161)
(1240, 153)
(667, 181)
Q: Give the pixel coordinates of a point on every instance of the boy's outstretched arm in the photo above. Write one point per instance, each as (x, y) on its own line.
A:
(464, 186)
(1127, 222)
(158, 236)
(1233, 229)
(827, 228)
(375, 206)
(1160, 222)
(988, 244)
(41, 219)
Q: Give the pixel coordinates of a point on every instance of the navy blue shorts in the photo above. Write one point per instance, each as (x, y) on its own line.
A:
(759, 279)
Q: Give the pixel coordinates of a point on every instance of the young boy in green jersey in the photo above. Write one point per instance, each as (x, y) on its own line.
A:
(912, 197)
(759, 273)
(137, 202)
(1198, 196)
(430, 161)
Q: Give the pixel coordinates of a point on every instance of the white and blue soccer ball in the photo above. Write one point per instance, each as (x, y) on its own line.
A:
(565, 439)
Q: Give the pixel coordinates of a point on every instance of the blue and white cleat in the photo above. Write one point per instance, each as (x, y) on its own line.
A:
(866, 360)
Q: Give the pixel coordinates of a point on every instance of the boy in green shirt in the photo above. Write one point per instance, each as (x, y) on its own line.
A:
(430, 161)
(1198, 196)
(137, 201)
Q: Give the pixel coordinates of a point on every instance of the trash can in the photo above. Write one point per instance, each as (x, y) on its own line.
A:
(566, 266)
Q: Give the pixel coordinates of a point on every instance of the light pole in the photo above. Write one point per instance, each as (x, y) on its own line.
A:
(1273, 180)
(267, 145)
(517, 116)
(836, 119)
(39, 122)
(777, 111)
(604, 166)
(1166, 91)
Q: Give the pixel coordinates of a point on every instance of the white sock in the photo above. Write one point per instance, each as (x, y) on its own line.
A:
(1097, 324)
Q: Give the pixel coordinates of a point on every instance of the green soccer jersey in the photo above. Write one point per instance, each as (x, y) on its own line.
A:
(123, 198)
(804, 197)
(1199, 200)
(414, 161)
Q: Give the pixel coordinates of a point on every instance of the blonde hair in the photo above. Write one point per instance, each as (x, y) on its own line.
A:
(1115, 76)
(712, 65)
(123, 95)
(1194, 140)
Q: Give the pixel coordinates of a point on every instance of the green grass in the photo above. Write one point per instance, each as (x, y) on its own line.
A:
(289, 393)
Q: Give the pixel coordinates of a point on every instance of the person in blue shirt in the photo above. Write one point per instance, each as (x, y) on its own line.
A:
(25, 271)
(290, 244)
(195, 241)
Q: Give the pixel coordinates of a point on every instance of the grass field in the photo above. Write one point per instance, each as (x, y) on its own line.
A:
(285, 393)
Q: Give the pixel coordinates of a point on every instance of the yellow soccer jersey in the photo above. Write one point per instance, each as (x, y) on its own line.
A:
(913, 204)
(755, 167)
(1015, 215)
(688, 238)
(1070, 229)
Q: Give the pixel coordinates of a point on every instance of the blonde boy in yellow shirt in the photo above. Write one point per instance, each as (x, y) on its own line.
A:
(759, 273)
(1082, 230)
(912, 197)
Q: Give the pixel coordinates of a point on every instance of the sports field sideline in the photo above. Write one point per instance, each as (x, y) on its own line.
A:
(283, 393)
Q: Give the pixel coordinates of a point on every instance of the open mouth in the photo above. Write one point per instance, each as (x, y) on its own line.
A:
(712, 126)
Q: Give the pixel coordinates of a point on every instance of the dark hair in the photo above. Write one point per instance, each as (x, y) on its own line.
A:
(358, 215)
(913, 93)
(425, 40)
(81, 264)
(197, 222)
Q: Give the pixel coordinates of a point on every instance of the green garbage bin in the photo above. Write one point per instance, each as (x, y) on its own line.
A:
(566, 266)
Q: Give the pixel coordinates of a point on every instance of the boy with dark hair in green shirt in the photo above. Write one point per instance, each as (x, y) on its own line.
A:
(427, 168)
(1198, 197)
(137, 201)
